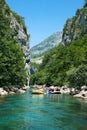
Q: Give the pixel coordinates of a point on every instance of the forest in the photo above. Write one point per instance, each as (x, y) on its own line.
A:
(64, 65)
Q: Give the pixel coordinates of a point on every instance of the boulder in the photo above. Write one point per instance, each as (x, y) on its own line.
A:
(25, 87)
(78, 95)
(3, 92)
(11, 92)
(21, 91)
(82, 94)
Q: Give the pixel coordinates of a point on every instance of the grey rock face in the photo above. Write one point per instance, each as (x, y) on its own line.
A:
(47, 44)
(76, 27)
(22, 38)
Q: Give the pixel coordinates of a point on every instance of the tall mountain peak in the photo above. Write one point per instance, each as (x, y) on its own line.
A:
(47, 44)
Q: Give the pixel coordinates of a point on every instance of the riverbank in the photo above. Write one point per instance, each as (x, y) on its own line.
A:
(82, 94)
(63, 90)
(71, 91)
(76, 93)
(12, 90)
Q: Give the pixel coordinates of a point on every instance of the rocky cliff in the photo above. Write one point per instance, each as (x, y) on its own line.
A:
(75, 27)
(46, 45)
(21, 36)
(17, 25)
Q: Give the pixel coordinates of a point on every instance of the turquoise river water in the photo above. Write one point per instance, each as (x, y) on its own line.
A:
(42, 112)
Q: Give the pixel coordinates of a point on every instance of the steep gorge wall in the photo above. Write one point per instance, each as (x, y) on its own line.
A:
(75, 27)
(22, 38)
(16, 23)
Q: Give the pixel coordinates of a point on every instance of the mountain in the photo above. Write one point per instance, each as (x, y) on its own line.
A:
(76, 27)
(66, 64)
(14, 47)
(46, 45)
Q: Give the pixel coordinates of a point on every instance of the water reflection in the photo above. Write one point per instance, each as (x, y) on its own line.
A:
(41, 96)
(42, 112)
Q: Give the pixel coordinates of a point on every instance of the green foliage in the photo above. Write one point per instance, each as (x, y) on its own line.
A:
(34, 66)
(63, 64)
(78, 76)
(67, 64)
(38, 78)
(12, 68)
(2, 2)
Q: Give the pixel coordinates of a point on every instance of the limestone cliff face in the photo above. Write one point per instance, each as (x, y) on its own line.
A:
(22, 39)
(16, 23)
(75, 27)
(21, 35)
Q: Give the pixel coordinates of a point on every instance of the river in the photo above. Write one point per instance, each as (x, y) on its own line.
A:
(42, 112)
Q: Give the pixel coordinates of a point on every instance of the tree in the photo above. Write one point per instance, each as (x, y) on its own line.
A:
(78, 77)
(12, 67)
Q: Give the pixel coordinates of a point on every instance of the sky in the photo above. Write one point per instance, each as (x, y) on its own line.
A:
(44, 17)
